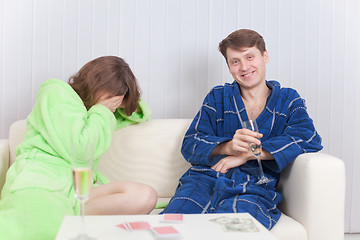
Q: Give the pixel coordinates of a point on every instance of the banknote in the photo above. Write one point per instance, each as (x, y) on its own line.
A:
(229, 224)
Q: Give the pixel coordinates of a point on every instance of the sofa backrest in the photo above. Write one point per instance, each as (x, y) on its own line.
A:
(16, 135)
(148, 152)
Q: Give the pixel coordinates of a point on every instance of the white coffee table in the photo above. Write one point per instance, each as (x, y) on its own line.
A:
(194, 227)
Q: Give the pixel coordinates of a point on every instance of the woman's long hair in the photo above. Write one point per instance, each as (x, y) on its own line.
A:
(106, 75)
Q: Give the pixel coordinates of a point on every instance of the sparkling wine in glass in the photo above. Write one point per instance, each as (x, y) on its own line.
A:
(82, 172)
(82, 177)
(256, 150)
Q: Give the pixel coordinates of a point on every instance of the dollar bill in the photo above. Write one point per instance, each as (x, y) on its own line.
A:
(236, 224)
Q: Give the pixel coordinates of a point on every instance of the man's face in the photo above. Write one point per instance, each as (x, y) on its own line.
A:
(247, 66)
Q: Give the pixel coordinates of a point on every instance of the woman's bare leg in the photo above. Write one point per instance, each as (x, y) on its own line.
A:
(122, 197)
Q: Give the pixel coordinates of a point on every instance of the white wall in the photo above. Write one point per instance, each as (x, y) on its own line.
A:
(172, 47)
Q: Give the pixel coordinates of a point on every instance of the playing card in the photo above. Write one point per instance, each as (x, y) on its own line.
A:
(173, 218)
(132, 226)
(122, 226)
(166, 232)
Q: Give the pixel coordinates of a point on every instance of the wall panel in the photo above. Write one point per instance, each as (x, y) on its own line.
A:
(84, 33)
(271, 34)
(10, 66)
(188, 58)
(298, 43)
(311, 57)
(157, 56)
(142, 45)
(284, 42)
(55, 40)
(172, 47)
(3, 125)
(215, 63)
(70, 39)
(336, 75)
(172, 59)
(40, 44)
(99, 26)
(25, 32)
(323, 80)
(112, 28)
(126, 30)
(351, 140)
(202, 50)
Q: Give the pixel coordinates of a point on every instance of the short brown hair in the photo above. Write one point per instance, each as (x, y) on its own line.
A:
(243, 38)
(108, 74)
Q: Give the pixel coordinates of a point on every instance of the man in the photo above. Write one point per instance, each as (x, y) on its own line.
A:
(224, 171)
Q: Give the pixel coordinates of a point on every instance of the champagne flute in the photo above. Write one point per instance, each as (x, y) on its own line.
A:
(256, 150)
(82, 169)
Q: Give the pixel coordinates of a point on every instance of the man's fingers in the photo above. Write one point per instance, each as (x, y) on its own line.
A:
(220, 167)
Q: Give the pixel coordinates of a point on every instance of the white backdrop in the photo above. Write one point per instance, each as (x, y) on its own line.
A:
(171, 46)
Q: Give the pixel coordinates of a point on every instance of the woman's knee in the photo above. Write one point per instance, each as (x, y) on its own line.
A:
(143, 196)
(149, 198)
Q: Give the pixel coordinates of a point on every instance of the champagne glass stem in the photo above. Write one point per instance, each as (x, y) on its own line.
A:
(262, 179)
(82, 213)
(260, 166)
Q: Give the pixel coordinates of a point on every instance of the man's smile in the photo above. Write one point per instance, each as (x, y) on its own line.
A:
(248, 74)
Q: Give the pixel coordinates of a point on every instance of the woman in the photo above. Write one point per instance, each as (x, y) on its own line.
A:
(102, 97)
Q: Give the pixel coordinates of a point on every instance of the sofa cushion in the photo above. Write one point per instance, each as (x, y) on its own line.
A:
(16, 135)
(136, 155)
(4, 165)
(288, 228)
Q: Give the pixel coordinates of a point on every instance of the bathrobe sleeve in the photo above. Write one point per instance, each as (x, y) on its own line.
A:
(294, 134)
(203, 136)
(142, 114)
(66, 127)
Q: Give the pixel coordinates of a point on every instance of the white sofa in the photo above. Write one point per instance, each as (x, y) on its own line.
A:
(313, 186)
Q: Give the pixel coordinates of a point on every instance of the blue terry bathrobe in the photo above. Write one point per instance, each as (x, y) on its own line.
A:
(287, 132)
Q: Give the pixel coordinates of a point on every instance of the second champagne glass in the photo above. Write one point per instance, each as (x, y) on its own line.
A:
(256, 150)
(82, 171)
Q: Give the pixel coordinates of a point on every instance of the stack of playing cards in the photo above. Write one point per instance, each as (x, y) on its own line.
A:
(132, 226)
(172, 218)
(160, 231)
(166, 232)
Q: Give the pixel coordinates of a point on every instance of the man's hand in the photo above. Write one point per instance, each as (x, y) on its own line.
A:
(239, 144)
(237, 150)
(230, 162)
(241, 139)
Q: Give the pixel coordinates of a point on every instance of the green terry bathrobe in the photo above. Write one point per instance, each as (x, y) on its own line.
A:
(39, 191)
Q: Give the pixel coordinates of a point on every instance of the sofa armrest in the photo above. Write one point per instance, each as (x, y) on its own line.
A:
(313, 187)
(4, 161)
